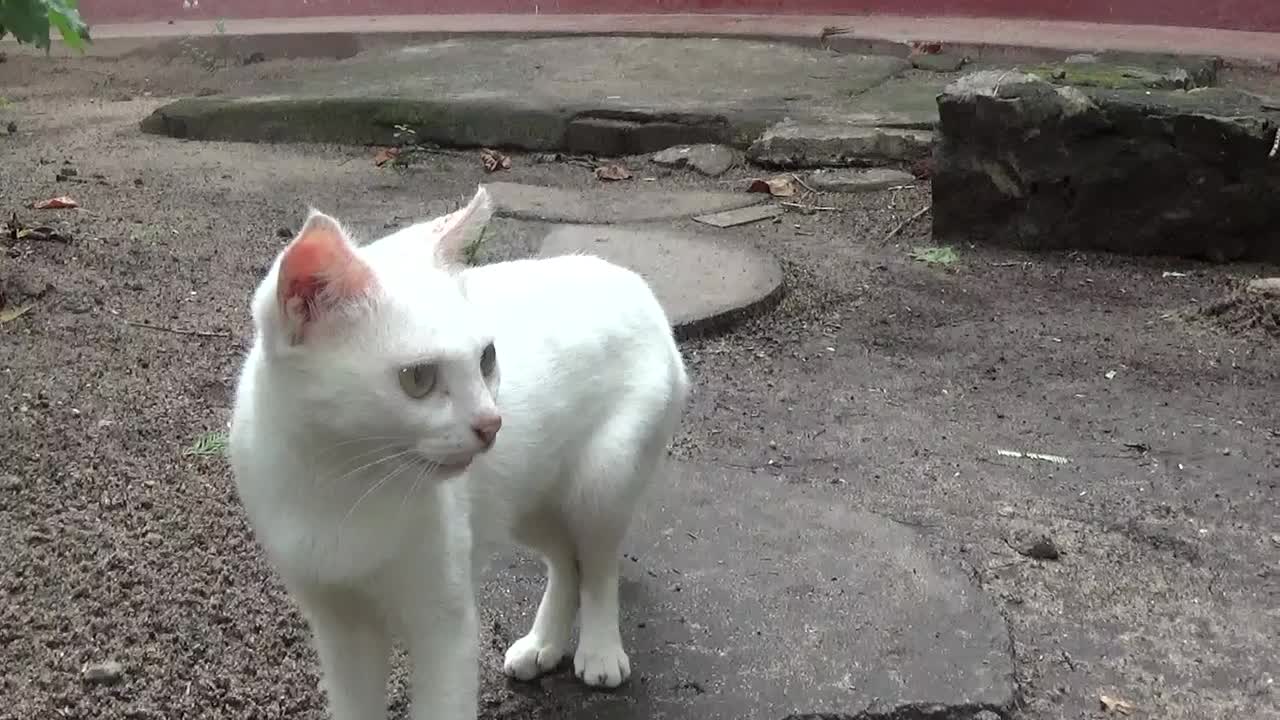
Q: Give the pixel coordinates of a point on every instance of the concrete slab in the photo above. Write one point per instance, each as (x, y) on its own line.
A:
(743, 598)
(901, 102)
(852, 180)
(799, 145)
(741, 216)
(705, 284)
(616, 95)
(535, 202)
(1135, 73)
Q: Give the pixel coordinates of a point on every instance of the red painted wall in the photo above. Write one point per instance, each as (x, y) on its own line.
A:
(1257, 15)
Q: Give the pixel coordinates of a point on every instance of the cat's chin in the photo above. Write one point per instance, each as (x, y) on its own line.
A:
(445, 468)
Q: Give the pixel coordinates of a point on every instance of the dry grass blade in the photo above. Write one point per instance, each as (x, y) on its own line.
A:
(178, 331)
(9, 314)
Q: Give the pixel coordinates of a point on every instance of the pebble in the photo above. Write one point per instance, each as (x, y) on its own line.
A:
(106, 672)
(1269, 286)
(1033, 542)
(710, 160)
(1006, 511)
(10, 482)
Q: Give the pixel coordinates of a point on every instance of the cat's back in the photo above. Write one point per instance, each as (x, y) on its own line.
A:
(572, 299)
(577, 335)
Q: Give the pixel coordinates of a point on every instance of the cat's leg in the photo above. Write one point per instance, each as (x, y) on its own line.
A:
(546, 643)
(355, 653)
(600, 660)
(444, 646)
(620, 463)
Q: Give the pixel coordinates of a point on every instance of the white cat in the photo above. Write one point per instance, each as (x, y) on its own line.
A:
(369, 427)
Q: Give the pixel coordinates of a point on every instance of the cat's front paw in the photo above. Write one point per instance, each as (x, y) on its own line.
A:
(531, 656)
(604, 666)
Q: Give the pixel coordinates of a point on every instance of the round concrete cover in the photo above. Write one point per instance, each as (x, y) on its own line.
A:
(569, 205)
(702, 282)
(744, 599)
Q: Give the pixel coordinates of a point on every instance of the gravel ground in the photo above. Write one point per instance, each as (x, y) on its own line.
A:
(131, 587)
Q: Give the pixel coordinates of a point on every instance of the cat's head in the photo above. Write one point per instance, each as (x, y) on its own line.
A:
(378, 346)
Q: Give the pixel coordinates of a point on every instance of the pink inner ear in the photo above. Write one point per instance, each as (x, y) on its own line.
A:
(463, 227)
(319, 270)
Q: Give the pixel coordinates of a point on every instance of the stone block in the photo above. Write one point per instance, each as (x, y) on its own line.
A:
(1025, 163)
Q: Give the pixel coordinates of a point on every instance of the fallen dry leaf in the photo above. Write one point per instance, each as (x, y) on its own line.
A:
(386, 155)
(12, 313)
(43, 232)
(925, 48)
(57, 203)
(1116, 705)
(781, 186)
(613, 172)
(494, 160)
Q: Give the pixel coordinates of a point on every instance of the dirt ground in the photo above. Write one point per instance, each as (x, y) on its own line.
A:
(892, 378)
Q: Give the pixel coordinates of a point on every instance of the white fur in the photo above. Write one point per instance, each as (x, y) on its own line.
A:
(339, 468)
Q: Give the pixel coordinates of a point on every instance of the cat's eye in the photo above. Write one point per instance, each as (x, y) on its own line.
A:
(488, 360)
(417, 380)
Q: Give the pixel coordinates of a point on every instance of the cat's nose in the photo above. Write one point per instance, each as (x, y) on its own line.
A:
(486, 428)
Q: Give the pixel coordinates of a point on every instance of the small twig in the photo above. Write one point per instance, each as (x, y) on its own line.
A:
(802, 206)
(178, 331)
(1067, 659)
(803, 184)
(914, 216)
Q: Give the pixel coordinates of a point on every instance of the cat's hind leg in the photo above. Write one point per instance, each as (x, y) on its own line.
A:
(619, 465)
(547, 642)
(600, 660)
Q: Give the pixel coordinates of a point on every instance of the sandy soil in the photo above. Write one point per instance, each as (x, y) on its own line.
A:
(896, 380)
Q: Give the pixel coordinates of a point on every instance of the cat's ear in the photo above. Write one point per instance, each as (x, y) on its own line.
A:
(319, 272)
(462, 229)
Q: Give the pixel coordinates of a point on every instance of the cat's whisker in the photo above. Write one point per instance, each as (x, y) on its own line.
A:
(388, 441)
(366, 438)
(366, 466)
(377, 448)
(413, 488)
(372, 488)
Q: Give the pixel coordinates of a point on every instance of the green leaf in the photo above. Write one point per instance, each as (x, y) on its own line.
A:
(28, 20)
(944, 256)
(31, 21)
(64, 16)
(213, 442)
